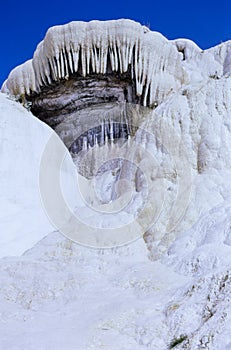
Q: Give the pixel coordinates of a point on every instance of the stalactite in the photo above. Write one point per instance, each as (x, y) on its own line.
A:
(108, 133)
(79, 47)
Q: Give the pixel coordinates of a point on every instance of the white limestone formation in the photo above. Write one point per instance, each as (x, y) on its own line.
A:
(188, 88)
(99, 47)
(182, 148)
(120, 46)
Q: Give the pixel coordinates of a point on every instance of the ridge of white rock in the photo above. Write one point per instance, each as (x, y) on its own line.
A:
(156, 65)
(96, 47)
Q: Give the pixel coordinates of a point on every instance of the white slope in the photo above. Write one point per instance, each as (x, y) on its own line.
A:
(203, 310)
(60, 295)
(23, 138)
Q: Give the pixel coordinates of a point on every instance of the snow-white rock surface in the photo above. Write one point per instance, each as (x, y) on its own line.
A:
(61, 295)
(22, 138)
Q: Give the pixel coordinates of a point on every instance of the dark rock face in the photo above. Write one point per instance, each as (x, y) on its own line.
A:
(86, 112)
(103, 124)
(61, 99)
(90, 111)
(110, 130)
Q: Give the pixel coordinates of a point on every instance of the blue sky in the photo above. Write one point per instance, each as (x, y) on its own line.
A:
(23, 24)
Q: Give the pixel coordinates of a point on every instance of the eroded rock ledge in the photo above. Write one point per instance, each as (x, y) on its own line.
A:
(60, 99)
(120, 46)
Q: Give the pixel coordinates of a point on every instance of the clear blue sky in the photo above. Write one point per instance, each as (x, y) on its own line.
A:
(23, 24)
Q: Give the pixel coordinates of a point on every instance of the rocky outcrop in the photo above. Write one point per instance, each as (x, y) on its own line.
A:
(121, 46)
(90, 81)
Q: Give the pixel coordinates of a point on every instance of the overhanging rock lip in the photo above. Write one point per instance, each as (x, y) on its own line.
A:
(155, 62)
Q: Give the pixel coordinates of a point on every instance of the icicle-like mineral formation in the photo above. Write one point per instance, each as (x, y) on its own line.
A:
(121, 46)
